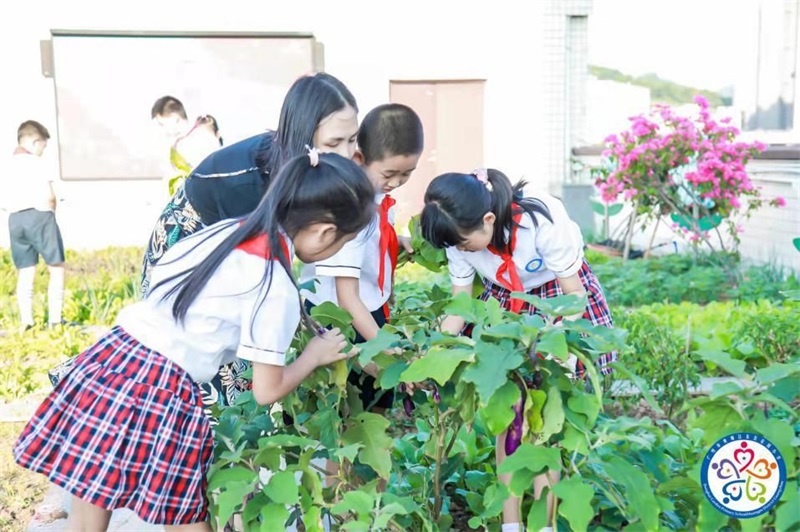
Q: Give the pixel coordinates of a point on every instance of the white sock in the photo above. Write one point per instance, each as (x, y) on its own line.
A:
(55, 295)
(25, 278)
(546, 529)
(512, 527)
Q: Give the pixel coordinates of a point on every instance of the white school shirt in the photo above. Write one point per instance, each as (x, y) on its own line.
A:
(217, 327)
(26, 183)
(360, 259)
(554, 249)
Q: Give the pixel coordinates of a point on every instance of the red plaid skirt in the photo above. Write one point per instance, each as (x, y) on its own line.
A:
(597, 310)
(125, 428)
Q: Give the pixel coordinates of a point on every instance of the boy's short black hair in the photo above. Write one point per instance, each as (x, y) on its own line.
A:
(167, 105)
(390, 129)
(32, 129)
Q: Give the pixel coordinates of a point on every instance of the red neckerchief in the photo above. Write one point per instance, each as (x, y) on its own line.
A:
(259, 246)
(507, 275)
(388, 244)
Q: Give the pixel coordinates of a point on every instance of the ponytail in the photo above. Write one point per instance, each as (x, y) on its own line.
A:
(335, 190)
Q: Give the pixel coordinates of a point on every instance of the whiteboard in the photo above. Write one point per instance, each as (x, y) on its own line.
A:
(106, 86)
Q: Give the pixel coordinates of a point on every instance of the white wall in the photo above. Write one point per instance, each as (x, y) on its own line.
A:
(610, 104)
(367, 44)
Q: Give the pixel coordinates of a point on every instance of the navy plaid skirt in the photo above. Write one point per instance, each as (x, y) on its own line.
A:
(125, 428)
(597, 310)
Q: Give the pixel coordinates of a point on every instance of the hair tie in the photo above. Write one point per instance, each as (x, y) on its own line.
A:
(313, 154)
(483, 176)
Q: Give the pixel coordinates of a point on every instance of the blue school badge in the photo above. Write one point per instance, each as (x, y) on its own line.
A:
(534, 266)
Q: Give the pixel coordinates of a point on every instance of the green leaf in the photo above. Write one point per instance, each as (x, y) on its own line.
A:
(585, 404)
(286, 440)
(312, 520)
(565, 305)
(438, 364)
(725, 388)
(553, 414)
(709, 518)
(358, 502)
(533, 410)
(370, 349)
(222, 477)
(796, 242)
(575, 502)
(521, 482)
(369, 430)
(493, 500)
(786, 514)
(575, 440)
(717, 417)
(274, 517)
(614, 209)
(776, 372)
(324, 426)
(329, 315)
(537, 516)
(554, 342)
(490, 371)
(534, 458)
(348, 451)
(231, 499)
(390, 377)
(499, 413)
(723, 360)
(640, 494)
(510, 331)
(282, 488)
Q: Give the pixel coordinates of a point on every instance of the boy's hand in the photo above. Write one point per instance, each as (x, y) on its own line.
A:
(327, 348)
(405, 241)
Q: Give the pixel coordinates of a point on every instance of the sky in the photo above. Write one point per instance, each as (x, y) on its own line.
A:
(701, 43)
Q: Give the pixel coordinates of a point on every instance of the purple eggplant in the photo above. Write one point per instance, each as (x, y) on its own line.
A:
(514, 432)
(436, 396)
(408, 405)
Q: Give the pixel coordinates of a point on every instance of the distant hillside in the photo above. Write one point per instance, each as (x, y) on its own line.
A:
(661, 90)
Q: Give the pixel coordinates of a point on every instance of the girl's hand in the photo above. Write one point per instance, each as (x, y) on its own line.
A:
(405, 241)
(327, 348)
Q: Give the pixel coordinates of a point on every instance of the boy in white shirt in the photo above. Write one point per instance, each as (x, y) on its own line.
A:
(359, 278)
(191, 142)
(29, 198)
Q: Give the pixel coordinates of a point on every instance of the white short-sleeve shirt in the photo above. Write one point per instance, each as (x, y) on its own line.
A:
(234, 314)
(360, 259)
(26, 183)
(554, 249)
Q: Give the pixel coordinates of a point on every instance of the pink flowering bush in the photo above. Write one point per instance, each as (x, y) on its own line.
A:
(692, 168)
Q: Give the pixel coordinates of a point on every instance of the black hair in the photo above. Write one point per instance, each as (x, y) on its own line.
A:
(390, 129)
(167, 105)
(32, 128)
(335, 191)
(310, 99)
(455, 205)
(211, 121)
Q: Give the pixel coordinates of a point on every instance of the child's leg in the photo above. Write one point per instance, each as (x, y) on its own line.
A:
(511, 505)
(55, 293)
(86, 517)
(25, 278)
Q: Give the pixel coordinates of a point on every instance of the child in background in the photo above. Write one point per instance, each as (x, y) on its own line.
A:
(125, 428)
(27, 194)
(517, 240)
(359, 278)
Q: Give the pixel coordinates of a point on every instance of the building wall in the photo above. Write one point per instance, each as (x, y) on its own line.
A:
(367, 44)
